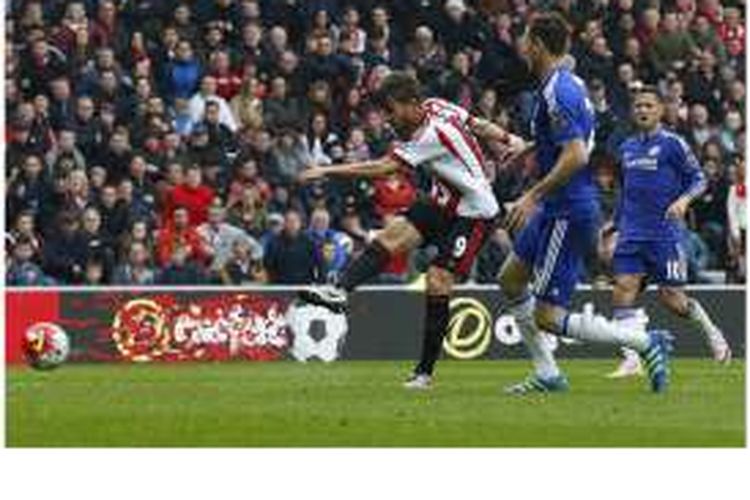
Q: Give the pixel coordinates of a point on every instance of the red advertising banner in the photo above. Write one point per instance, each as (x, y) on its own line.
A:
(23, 310)
(155, 326)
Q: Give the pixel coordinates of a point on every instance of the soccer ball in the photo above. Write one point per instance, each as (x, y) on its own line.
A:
(46, 346)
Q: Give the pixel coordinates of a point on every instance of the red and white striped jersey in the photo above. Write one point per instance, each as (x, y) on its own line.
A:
(446, 148)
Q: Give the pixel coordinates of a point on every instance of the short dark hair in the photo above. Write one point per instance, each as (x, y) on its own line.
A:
(647, 89)
(552, 30)
(398, 86)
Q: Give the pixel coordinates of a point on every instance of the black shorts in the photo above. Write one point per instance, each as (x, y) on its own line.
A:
(458, 239)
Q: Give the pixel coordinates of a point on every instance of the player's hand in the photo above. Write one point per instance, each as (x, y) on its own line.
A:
(514, 150)
(678, 209)
(312, 173)
(519, 212)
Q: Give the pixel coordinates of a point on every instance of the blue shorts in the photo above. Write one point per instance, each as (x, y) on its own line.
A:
(554, 248)
(663, 262)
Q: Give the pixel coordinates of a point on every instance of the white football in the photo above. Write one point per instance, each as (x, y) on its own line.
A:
(45, 346)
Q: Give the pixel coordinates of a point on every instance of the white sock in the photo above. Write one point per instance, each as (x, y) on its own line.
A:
(700, 317)
(596, 328)
(544, 362)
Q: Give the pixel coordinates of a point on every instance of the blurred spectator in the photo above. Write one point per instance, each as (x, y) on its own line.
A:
(290, 256)
(247, 105)
(30, 190)
(25, 227)
(242, 266)
(290, 155)
(181, 270)
(99, 244)
(136, 269)
(22, 270)
(192, 195)
(94, 273)
(320, 142)
(281, 110)
(114, 212)
(330, 247)
(65, 156)
(710, 211)
(184, 72)
(65, 250)
(206, 94)
(671, 46)
(219, 238)
(737, 217)
(179, 233)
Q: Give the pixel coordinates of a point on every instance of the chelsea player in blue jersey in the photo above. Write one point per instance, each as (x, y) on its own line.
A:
(660, 177)
(556, 222)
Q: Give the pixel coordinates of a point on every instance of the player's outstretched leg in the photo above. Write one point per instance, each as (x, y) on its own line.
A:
(360, 270)
(679, 303)
(653, 346)
(399, 235)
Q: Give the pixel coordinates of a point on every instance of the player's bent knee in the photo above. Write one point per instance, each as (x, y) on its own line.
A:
(513, 277)
(545, 318)
(399, 235)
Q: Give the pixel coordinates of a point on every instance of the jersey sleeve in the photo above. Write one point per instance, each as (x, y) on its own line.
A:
(565, 115)
(416, 152)
(691, 173)
(620, 196)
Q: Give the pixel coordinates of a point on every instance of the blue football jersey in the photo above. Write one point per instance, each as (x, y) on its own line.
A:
(564, 113)
(655, 169)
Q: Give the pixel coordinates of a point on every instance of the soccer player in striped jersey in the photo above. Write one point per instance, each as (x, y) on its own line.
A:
(556, 222)
(660, 178)
(457, 217)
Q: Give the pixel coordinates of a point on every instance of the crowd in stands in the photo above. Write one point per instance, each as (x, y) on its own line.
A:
(159, 141)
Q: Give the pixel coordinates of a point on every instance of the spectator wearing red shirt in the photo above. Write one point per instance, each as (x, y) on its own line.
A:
(228, 81)
(732, 31)
(393, 195)
(106, 31)
(193, 195)
(179, 233)
(246, 174)
(647, 28)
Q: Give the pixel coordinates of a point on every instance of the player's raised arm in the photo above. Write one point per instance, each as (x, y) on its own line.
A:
(511, 146)
(373, 168)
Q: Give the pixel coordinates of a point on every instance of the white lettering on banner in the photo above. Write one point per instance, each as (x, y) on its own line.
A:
(506, 330)
(223, 328)
(317, 332)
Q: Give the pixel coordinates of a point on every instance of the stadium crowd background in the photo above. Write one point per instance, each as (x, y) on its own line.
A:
(158, 141)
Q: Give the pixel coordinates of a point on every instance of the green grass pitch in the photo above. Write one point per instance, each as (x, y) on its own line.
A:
(363, 404)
